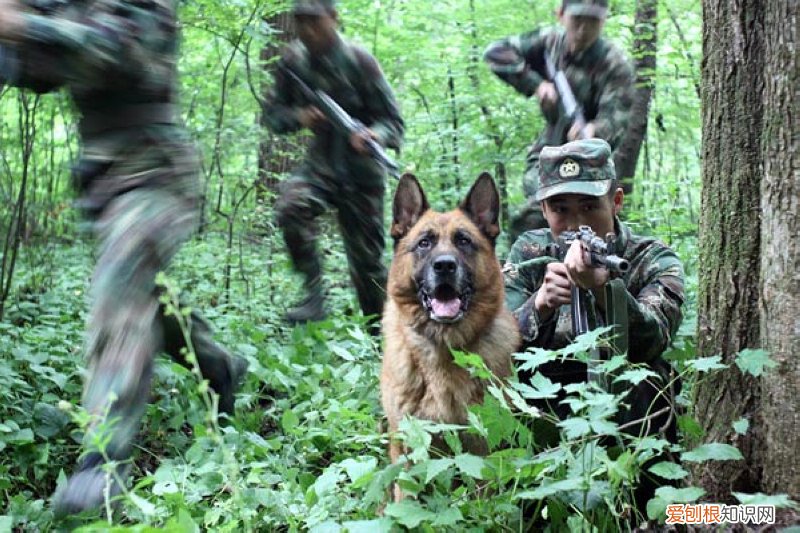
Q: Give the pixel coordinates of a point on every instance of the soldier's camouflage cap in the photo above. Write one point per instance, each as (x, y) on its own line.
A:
(578, 167)
(313, 7)
(586, 8)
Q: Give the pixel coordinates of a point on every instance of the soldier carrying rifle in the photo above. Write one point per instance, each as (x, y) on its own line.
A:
(341, 168)
(586, 91)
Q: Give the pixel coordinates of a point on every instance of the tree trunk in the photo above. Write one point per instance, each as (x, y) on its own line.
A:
(644, 52)
(730, 234)
(749, 284)
(780, 251)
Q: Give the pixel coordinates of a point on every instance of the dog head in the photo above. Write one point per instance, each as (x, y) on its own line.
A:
(444, 262)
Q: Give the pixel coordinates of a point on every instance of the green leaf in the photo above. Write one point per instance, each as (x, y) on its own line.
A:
(668, 470)
(714, 451)
(409, 513)
(448, 517)
(358, 468)
(540, 388)
(436, 467)
(147, 508)
(548, 489)
(780, 501)
(705, 364)
(754, 362)
(472, 362)
(741, 426)
(575, 427)
(635, 376)
(535, 357)
(289, 421)
(470, 465)
(379, 525)
(685, 495)
(341, 352)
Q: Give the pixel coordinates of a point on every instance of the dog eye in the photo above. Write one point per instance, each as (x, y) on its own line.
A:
(424, 244)
(462, 240)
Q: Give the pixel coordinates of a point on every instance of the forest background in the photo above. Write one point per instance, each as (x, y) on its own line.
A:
(306, 450)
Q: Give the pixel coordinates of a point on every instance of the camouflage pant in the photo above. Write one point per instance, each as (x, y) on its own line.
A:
(529, 216)
(139, 233)
(304, 197)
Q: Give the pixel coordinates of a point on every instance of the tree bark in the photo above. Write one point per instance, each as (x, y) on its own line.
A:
(644, 52)
(780, 251)
(749, 282)
(730, 236)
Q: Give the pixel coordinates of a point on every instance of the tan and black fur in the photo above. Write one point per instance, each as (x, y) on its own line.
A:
(444, 264)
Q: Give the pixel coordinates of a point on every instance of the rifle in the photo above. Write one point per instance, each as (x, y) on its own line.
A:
(601, 253)
(342, 121)
(572, 109)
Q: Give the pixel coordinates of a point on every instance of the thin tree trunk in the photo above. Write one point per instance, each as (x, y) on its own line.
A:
(644, 52)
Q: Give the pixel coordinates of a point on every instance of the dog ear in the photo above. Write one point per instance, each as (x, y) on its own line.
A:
(482, 206)
(409, 205)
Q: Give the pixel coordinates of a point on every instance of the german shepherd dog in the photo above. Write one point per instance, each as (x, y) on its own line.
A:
(445, 291)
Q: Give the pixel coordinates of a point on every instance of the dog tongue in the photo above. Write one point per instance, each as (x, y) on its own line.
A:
(446, 308)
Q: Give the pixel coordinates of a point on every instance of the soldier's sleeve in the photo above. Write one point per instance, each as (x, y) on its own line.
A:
(518, 60)
(616, 100)
(521, 288)
(381, 104)
(280, 107)
(114, 35)
(654, 314)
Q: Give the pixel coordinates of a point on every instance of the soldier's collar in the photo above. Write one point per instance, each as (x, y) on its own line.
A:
(623, 236)
(589, 56)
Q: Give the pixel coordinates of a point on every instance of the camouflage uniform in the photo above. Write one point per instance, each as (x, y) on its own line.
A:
(333, 174)
(137, 180)
(652, 293)
(601, 79)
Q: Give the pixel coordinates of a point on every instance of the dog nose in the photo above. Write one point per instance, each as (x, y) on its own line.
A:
(444, 264)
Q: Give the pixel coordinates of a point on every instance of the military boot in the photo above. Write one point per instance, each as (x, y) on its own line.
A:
(89, 486)
(310, 309)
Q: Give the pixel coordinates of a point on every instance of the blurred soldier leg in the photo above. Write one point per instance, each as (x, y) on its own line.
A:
(302, 200)
(361, 220)
(223, 371)
(139, 233)
(529, 216)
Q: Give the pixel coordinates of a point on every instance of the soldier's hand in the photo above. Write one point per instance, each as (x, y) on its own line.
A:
(580, 270)
(555, 290)
(574, 132)
(359, 139)
(11, 21)
(547, 95)
(309, 117)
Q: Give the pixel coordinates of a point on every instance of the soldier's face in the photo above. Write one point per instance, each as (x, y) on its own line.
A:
(568, 212)
(582, 31)
(317, 32)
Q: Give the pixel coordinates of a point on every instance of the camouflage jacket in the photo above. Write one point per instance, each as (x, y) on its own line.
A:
(117, 59)
(654, 293)
(601, 79)
(353, 78)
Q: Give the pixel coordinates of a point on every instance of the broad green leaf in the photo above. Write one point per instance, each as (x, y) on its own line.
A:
(436, 467)
(705, 364)
(289, 421)
(575, 427)
(448, 517)
(358, 468)
(470, 465)
(472, 362)
(685, 495)
(714, 451)
(548, 489)
(379, 525)
(754, 362)
(409, 513)
(668, 470)
(635, 376)
(781, 501)
(147, 508)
